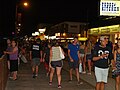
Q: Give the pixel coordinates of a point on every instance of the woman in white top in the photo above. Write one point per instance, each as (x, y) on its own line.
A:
(55, 63)
(82, 56)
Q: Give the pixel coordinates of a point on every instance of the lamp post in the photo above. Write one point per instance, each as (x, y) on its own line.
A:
(18, 17)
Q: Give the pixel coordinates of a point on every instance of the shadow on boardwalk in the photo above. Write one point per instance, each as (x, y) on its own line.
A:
(26, 82)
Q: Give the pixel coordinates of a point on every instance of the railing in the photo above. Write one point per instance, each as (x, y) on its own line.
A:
(3, 72)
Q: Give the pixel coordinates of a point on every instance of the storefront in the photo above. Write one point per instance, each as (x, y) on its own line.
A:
(112, 31)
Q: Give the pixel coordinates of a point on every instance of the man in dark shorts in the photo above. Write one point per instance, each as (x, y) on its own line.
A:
(74, 59)
(35, 57)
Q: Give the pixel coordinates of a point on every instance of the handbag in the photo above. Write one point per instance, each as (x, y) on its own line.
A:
(80, 68)
(62, 56)
(114, 74)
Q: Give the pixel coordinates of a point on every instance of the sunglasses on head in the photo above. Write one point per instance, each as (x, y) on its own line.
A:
(106, 38)
(117, 38)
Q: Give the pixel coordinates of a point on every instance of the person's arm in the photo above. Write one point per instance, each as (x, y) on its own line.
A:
(30, 55)
(70, 56)
(62, 51)
(41, 52)
(12, 52)
(44, 56)
(114, 60)
(96, 57)
(50, 57)
(79, 56)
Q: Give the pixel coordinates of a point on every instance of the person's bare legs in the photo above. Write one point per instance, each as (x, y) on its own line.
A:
(58, 71)
(84, 64)
(102, 86)
(117, 85)
(70, 72)
(89, 66)
(33, 69)
(51, 74)
(14, 75)
(97, 86)
(77, 74)
(36, 71)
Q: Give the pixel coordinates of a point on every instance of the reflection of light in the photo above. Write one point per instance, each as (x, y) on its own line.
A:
(82, 38)
(64, 34)
(13, 32)
(36, 33)
(46, 37)
(19, 24)
(79, 35)
(41, 30)
(57, 34)
(33, 34)
(65, 38)
(18, 29)
(25, 4)
(52, 37)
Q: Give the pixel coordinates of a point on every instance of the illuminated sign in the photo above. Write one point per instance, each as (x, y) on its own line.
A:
(110, 7)
(105, 29)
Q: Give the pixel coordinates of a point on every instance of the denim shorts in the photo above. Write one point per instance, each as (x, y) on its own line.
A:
(55, 64)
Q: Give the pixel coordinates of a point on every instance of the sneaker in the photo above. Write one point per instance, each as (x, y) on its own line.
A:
(89, 73)
(36, 75)
(84, 72)
(10, 77)
(59, 86)
(70, 81)
(79, 83)
(50, 83)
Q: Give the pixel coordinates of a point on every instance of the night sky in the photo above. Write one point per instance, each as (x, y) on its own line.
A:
(48, 11)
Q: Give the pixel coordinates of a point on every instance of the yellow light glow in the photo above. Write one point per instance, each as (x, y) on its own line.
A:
(33, 34)
(57, 34)
(42, 30)
(79, 35)
(25, 4)
(82, 39)
(64, 34)
(37, 33)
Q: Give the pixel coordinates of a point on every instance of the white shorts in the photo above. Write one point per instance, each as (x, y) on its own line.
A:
(82, 55)
(101, 74)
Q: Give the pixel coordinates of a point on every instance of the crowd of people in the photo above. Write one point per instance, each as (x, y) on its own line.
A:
(96, 57)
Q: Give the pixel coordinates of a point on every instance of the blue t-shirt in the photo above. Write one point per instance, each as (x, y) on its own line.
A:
(74, 51)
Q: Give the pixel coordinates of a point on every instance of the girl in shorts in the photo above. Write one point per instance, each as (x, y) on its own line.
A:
(55, 63)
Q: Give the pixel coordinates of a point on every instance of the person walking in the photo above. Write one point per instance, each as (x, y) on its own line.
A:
(82, 57)
(117, 66)
(101, 55)
(74, 59)
(13, 56)
(35, 57)
(46, 58)
(55, 63)
(88, 55)
(8, 49)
